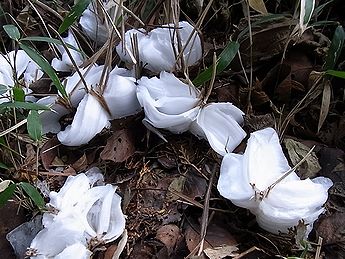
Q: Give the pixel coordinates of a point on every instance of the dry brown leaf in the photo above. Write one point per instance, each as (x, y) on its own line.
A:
(119, 147)
(169, 235)
(258, 5)
(220, 252)
(326, 101)
(49, 152)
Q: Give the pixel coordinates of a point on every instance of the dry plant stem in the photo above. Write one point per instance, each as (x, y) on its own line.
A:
(210, 87)
(71, 58)
(44, 25)
(3, 133)
(269, 188)
(318, 248)
(269, 241)
(135, 48)
(121, 245)
(205, 212)
(116, 30)
(249, 109)
(297, 108)
(124, 8)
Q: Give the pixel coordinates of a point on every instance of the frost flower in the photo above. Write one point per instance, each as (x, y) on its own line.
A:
(120, 94)
(65, 64)
(219, 124)
(248, 181)
(92, 23)
(88, 121)
(158, 48)
(168, 103)
(20, 63)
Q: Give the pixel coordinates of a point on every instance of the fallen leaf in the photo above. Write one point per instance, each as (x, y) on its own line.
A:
(220, 252)
(258, 5)
(49, 152)
(332, 229)
(296, 150)
(326, 101)
(169, 235)
(119, 147)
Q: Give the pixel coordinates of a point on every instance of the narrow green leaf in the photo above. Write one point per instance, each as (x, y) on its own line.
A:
(3, 89)
(335, 48)
(34, 125)
(12, 31)
(18, 94)
(340, 74)
(24, 105)
(7, 194)
(307, 9)
(49, 40)
(46, 67)
(74, 14)
(33, 194)
(3, 166)
(223, 62)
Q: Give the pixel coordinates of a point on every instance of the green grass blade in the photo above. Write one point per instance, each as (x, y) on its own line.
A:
(223, 62)
(3, 166)
(46, 67)
(34, 195)
(34, 126)
(24, 105)
(49, 40)
(18, 94)
(335, 48)
(12, 31)
(74, 14)
(340, 74)
(7, 194)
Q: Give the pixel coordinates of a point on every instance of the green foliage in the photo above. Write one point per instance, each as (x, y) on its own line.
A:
(34, 195)
(3, 89)
(23, 105)
(223, 62)
(46, 67)
(340, 74)
(18, 94)
(74, 14)
(34, 125)
(7, 194)
(3, 166)
(335, 48)
(12, 31)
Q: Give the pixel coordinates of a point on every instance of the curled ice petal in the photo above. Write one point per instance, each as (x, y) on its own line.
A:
(244, 180)
(88, 121)
(168, 103)
(75, 251)
(120, 94)
(75, 87)
(53, 240)
(163, 42)
(50, 119)
(219, 124)
(65, 63)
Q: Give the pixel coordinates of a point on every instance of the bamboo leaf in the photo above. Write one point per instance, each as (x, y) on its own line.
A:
(7, 194)
(24, 105)
(46, 67)
(18, 94)
(34, 195)
(223, 62)
(307, 9)
(34, 125)
(335, 48)
(340, 74)
(12, 31)
(326, 101)
(76, 11)
(49, 40)
(258, 5)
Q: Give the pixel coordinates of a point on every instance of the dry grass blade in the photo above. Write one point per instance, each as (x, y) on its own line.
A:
(326, 101)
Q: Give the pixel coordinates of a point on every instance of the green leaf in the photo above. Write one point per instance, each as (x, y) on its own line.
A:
(24, 105)
(3, 89)
(46, 67)
(340, 74)
(49, 40)
(74, 14)
(33, 194)
(18, 94)
(12, 31)
(307, 9)
(3, 166)
(7, 194)
(223, 62)
(335, 48)
(34, 125)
